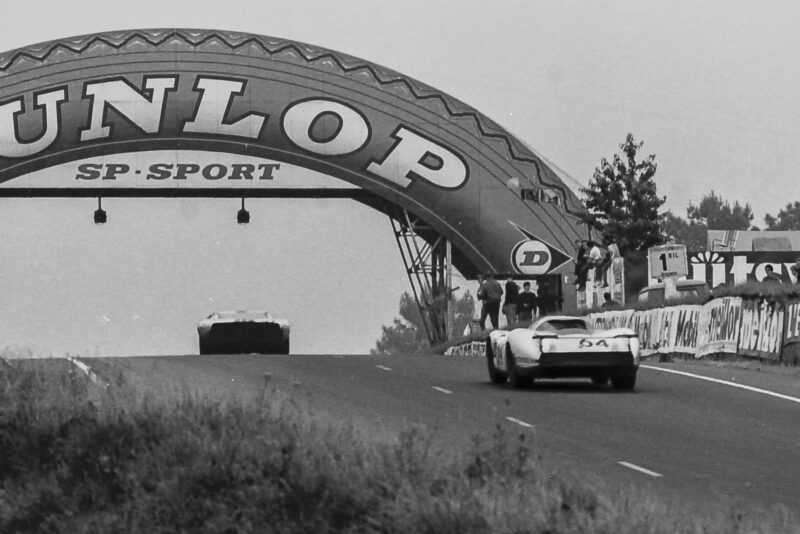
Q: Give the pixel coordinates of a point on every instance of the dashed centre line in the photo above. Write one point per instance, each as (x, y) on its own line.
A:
(519, 422)
(442, 390)
(641, 469)
(383, 368)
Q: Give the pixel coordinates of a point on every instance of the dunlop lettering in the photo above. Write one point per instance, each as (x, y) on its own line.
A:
(11, 143)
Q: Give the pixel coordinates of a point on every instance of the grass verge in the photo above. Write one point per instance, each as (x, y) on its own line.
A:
(81, 457)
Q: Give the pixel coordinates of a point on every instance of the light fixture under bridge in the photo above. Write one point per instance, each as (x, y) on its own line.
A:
(100, 216)
(243, 216)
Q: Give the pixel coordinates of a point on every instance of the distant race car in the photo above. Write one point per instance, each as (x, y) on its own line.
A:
(239, 332)
(560, 346)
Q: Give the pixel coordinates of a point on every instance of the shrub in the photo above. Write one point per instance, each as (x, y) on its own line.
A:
(80, 457)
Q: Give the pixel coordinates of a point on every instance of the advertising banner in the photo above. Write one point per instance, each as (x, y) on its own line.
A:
(686, 322)
(653, 329)
(473, 348)
(790, 352)
(718, 329)
(792, 312)
(612, 319)
(738, 267)
(761, 331)
(146, 112)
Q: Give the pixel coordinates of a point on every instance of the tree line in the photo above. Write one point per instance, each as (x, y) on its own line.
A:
(622, 204)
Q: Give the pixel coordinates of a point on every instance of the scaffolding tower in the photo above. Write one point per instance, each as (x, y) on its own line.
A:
(427, 258)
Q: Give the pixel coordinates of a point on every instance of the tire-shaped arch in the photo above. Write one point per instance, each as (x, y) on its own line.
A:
(395, 138)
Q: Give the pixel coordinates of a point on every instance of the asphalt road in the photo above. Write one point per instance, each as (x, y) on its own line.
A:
(692, 441)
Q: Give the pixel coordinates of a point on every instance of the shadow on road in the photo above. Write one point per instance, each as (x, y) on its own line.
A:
(561, 386)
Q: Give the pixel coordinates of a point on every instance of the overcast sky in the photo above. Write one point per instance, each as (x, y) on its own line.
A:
(711, 87)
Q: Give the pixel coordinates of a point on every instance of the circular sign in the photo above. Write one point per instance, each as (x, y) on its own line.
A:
(532, 257)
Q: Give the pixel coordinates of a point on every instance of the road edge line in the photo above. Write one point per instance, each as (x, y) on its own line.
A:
(726, 383)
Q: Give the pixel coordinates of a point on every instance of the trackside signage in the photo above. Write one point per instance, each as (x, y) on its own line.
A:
(205, 109)
(320, 126)
(761, 329)
(719, 326)
(175, 170)
(793, 322)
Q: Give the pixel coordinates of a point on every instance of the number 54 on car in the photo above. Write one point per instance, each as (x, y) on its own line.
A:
(561, 346)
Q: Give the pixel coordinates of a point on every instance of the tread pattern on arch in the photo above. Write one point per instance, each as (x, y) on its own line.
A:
(286, 50)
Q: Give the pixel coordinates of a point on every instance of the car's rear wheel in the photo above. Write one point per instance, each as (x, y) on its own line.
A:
(496, 376)
(518, 381)
(624, 380)
(204, 348)
(600, 380)
(283, 348)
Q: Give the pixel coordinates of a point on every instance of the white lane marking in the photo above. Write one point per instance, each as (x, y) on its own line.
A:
(519, 422)
(442, 390)
(641, 469)
(383, 368)
(727, 383)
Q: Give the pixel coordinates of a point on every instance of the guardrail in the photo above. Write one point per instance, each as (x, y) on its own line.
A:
(728, 325)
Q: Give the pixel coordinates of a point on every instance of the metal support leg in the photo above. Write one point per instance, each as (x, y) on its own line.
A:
(427, 262)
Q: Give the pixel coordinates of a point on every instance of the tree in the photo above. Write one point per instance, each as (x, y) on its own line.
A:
(788, 218)
(622, 202)
(715, 213)
(407, 334)
(677, 230)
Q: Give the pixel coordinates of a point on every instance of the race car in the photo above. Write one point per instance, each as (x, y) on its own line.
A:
(239, 332)
(561, 346)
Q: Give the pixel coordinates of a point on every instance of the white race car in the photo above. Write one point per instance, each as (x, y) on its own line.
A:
(240, 332)
(560, 346)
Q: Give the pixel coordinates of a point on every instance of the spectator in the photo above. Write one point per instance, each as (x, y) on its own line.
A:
(526, 304)
(510, 305)
(608, 302)
(581, 263)
(490, 292)
(795, 270)
(599, 259)
(601, 273)
(546, 300)
(771, 277)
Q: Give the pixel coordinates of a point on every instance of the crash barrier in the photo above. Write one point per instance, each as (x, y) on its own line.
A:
(729, 325)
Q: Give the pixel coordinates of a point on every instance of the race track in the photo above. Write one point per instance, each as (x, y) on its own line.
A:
(679, 436)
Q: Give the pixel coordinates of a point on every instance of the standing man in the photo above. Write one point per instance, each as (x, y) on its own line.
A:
(594, 260)
(490, 293)
(581, 263)
(608, 302)
(510, 305)
(526, 304)
(771, 276)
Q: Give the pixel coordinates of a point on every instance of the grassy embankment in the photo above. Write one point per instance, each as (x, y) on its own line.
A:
(78, 457)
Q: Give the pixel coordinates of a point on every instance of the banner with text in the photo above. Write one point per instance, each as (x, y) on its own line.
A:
(718, 328)
(761, 331)
(792, 328)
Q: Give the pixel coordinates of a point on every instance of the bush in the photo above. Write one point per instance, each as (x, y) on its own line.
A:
(78, 457)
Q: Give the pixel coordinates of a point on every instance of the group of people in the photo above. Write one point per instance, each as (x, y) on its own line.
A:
(518, 306)
(590, 255)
